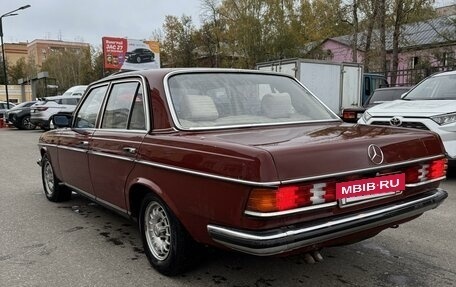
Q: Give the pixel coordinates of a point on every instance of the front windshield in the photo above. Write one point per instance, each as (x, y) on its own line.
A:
(224, 99)
(435, 88)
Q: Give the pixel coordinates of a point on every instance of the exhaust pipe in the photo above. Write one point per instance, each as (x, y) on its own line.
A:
(313, 257)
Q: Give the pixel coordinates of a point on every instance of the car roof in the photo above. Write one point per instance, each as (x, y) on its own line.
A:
(60, 97)
(444, 73)
(394, 88)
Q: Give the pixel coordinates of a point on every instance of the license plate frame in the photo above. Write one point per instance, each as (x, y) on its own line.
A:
(369, 189)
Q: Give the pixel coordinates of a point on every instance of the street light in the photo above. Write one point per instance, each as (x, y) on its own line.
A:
(11, 13)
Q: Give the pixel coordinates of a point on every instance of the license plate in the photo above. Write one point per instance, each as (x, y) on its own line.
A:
(370, 188)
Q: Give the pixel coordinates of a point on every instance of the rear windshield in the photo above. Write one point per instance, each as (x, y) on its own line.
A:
(386, 95)
(224, 99)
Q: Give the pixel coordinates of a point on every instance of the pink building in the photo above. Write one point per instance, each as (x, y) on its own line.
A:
(425, 48)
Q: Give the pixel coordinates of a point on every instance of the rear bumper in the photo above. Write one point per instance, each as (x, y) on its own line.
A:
(280, 240)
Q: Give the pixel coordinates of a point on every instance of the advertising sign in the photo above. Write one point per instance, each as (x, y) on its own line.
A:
(130, 54)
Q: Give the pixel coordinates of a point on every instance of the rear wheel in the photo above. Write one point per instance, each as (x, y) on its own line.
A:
(51, 184)
(167, 244)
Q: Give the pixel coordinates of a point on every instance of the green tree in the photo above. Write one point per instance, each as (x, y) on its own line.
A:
(178, 49)
(69, 67)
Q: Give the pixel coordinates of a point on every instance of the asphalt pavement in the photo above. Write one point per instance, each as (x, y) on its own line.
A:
(79, 243)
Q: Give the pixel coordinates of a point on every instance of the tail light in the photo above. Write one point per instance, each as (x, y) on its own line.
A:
(291, 197)
(41, 108)
(312, 194)
(424, 172)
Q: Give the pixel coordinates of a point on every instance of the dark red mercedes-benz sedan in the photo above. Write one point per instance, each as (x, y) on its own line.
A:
(239, 159)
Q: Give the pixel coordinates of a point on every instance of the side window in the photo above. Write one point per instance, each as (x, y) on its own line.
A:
(87, 114)
(125, 108)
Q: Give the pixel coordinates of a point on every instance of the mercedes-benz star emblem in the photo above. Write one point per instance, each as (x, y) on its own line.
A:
(395, 121)
(375, 154)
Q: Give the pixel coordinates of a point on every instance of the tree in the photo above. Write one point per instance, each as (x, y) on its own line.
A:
(69, 67)
(405, 11)
(178, 49)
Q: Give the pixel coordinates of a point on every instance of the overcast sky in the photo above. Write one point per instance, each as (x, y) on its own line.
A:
(90, 20)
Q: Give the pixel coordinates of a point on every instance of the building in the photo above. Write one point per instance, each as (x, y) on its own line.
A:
(14, 52)
(38, 49)
(425, 47)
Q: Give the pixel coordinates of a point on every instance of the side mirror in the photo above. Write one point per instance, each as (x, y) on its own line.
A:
(61, 121)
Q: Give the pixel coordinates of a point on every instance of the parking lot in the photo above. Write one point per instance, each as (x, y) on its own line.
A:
(79, 243)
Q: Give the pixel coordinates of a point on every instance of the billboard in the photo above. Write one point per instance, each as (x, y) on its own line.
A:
(130, 54)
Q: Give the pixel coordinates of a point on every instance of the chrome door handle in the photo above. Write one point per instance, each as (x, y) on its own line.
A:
(84, 143)
(131, 150)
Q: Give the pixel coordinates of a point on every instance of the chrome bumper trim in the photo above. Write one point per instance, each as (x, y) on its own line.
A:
(271, 242)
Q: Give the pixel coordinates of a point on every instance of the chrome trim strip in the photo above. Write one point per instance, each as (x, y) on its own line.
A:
(276, 183)
(425, 182)
(291, 211)
(86, 194)
(212, 176)
(361, 170)
(73, 148)
(242, 235)
(97, 199)
(111, 155)
(47, 145)
(103, 202)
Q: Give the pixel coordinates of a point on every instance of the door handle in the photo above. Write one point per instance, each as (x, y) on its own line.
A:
(84, 143)
(131, 150)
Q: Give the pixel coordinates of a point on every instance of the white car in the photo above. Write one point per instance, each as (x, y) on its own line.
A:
(430, 105)
(75, 91)
(42, 111)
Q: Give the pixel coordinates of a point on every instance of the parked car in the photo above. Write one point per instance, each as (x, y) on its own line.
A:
(380, 95)
(139, 55)
(75, 91)
(430, 105)
(42, 111)
(19, 116)
(4, 108)
(239, 159)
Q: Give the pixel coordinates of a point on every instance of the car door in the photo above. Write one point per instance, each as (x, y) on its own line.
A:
(115, 144)
(75, 142)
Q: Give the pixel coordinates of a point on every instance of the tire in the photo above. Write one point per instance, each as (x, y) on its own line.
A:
(53, 190)
(167, 244)
(26, 124)
(138, 59)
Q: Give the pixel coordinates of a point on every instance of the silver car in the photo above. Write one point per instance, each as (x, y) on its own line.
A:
(42, 111)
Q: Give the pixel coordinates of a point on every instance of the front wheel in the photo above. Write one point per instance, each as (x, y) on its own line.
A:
(51, 185)
(26, 124)
(166, 243)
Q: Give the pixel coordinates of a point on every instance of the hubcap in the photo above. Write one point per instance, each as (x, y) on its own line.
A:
(158, 231)
(48, 177)
(28, 124)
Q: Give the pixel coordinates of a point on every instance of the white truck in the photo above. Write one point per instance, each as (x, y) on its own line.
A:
(338, 85)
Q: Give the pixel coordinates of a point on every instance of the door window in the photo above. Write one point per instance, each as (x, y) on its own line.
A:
(125, 107)
(87, 114)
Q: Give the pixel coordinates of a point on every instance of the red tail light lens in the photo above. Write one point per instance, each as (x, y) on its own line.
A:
(424, 172)
(290, 197)
(437, 168)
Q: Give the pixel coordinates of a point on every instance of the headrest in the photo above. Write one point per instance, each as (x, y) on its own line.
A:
(198, 108)
(277, 105)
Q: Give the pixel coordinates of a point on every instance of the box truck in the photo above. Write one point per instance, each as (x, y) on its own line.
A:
(338, 85)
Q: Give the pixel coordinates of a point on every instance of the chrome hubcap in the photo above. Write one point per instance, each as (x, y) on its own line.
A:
(28, 124)
(48, 177)
(158, 231)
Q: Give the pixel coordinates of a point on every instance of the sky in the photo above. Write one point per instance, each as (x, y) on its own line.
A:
(90, 20)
